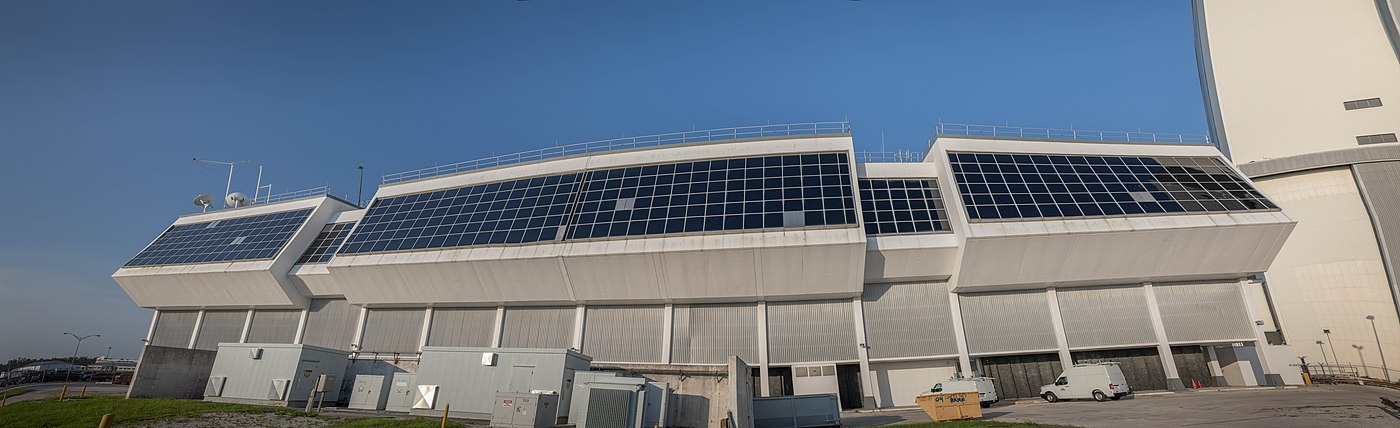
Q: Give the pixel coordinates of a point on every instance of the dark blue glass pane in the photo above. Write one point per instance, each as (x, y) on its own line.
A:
(902, 206)
(245, 238)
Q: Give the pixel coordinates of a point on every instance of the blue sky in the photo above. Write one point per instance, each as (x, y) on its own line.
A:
(102, 104)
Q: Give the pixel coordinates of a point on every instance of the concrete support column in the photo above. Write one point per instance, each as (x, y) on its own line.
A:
(580, 317)
(764, 387)
(964, 361)
(499, 328)
(198, 323)
(668, 318)
(1216, 373)
(247, 326)
(358, 339)
(427, 325)
(301, 326)
(151, 332)
(867, 381)
(1056, 320)
(1271, 377)
(1164, 348)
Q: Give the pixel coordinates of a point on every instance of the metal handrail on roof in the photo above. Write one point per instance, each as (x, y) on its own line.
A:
(895, 156)
(1068, 134)
(720, 134)
(298, 194)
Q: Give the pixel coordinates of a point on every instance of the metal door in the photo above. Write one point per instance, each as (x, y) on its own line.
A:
(1019, 376)
(520, 378)
(305, 381)
(1142, 367)
(1191, 366)
(361, 394)
(848, 386)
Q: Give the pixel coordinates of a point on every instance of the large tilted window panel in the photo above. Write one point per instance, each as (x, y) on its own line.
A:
(709, 334)
(902, 206)
(811, 331)
(1200, 312)
(220, 327)
(510, 212)
(1030, 186)
(767, 192)
(392, 330)
(624, 334)
(546, 327)
(273, 326)
(323, 248)
(331, 323)
(908, 320)
(471, 327)
(1007, 322)
(174, 328)
(245, 238)
(1107, 316)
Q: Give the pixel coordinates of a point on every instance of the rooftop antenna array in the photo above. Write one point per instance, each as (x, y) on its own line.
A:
(236, 199)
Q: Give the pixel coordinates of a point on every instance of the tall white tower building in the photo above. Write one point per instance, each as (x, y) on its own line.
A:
(1304, 96)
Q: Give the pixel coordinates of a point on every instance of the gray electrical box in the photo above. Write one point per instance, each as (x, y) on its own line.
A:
(515, 410)
(607, 399)
(371, 392)
(401, 391)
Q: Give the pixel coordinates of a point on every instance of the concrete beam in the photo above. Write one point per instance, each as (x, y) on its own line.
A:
(1164, 349)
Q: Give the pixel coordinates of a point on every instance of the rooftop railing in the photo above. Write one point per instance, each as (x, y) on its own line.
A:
(895, 156)
(1068, 134)
(271, 198)
(721, 134)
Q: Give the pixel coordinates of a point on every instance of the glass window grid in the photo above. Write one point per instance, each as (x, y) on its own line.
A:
(900, 206)
(510, 212)
(716, 195)
(1027, 186)
(246, 238)
(323, 248)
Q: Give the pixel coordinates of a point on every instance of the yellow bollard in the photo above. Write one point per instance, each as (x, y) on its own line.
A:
(106, 421)
(444, 415)
(4, 398)
(63, 393)
(84, 393)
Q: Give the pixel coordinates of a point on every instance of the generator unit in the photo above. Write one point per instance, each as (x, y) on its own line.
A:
(609, 399)
(275, 373)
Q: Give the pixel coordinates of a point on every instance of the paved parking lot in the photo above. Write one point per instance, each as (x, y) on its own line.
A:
(1309, 406)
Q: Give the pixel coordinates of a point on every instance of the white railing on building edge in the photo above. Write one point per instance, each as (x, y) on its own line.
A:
(1068, 134)
(314, 191)
(720, 134)
(895, 156)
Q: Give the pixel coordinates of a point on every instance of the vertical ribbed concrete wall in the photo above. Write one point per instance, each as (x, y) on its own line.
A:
(1007, 322)
(273, 326)
(331, 324)
(811, 331)
(544, 327)
(631, 334)
(1203, 312)
(908, 320)
(392, 330)
(173, 328)
(709, 334)
(220, 327)
(1105, 316)
(463, 327)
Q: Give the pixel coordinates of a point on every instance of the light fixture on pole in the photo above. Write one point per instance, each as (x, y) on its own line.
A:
(1324, 352)
(73, 363)
(1384, 369)
(1328, 332)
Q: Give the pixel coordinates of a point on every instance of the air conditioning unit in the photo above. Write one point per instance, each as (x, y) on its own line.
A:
(278, 391)
(215, 387)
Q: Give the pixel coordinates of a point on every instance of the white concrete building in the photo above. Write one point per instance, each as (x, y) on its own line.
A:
(1303, 96)
(829, 270)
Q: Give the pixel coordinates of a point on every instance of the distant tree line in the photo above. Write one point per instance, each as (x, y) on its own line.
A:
(21, 362)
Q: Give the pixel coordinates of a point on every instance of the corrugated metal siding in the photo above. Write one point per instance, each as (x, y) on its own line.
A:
(220, 327)
(1381, 182)
(1108, 316)
(1007, 322)
(331, 324)
(173, 328)
(811, 331)
(709, 334)
(551, 327)
(908, 320)
(1195, 312)
(462, 327)
(273, 326)
(392, 330)
(624, 334)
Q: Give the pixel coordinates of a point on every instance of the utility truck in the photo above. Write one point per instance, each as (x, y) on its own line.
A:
(1099, 381)
(986, 391)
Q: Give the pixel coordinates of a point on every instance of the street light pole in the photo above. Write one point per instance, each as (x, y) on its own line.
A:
(73, 363)
(1384, 370)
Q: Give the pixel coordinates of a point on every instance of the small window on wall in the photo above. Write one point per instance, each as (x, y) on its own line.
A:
(1376, 139)
(1360, 104)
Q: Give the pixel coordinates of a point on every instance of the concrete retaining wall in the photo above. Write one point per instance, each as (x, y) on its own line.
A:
(165, 372)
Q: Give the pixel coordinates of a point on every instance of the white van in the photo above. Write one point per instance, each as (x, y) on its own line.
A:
(986, 391)
(1099, 381)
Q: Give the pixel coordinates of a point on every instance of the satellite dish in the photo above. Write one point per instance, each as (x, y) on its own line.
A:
(204, 201)
(236, 199)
